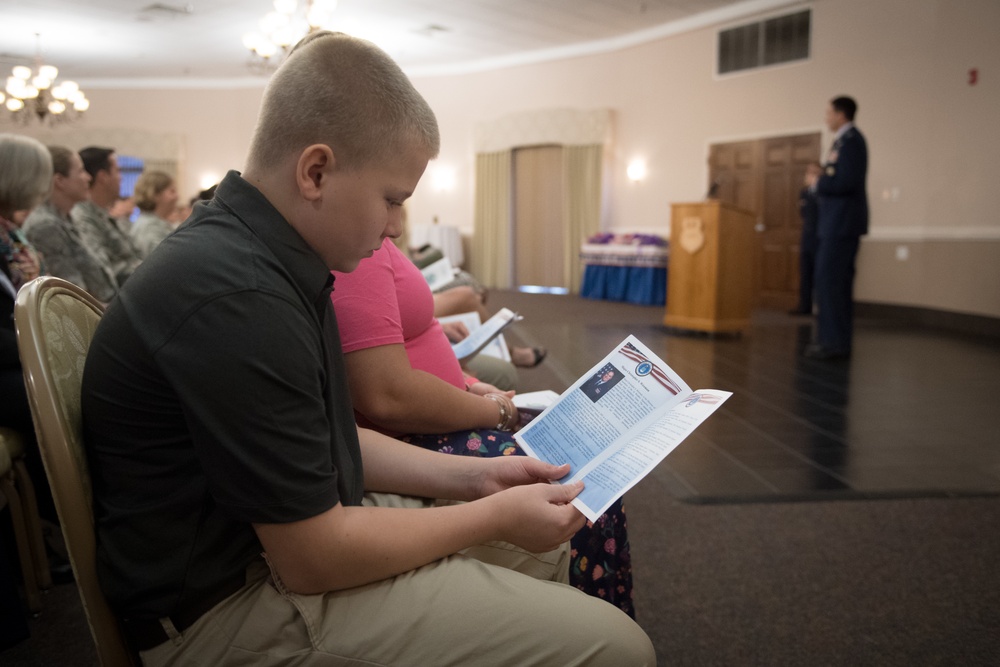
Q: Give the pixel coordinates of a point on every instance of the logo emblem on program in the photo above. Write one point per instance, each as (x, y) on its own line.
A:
(644, 369)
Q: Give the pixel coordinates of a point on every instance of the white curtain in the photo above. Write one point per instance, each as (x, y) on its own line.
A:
(582, 171)
(491, 246)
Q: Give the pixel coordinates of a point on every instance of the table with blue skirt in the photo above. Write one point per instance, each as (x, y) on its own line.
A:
(630, 273)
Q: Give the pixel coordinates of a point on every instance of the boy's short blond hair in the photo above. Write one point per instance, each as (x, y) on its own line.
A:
(346, 93)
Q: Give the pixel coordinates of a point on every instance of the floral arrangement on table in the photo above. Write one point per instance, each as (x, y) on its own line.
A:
(606, 238)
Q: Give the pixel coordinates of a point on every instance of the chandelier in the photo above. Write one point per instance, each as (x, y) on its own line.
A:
(282, 28)
(35, 94)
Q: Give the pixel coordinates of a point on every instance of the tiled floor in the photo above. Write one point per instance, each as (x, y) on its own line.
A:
(893, 583)
(914, 412)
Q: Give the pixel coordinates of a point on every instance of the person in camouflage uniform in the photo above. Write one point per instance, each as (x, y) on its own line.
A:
(51, 231)
(101, 233)
(156, 197)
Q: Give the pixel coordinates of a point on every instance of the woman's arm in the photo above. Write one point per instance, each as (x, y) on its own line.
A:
(396, 397)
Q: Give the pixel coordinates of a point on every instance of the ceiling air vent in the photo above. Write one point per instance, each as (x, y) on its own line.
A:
(159, 10)
(432, 29)
(780, 39)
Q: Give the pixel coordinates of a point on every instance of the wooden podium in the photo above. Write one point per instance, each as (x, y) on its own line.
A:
(710, 274)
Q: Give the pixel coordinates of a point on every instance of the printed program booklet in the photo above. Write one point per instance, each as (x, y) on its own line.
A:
(494, 348)
(438, 274)
(479, 337)
(616, 423)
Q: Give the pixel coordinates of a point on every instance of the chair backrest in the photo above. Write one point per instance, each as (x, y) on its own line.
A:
(55, 323)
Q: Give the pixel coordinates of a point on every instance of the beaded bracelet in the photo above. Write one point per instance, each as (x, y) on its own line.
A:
(505, 417)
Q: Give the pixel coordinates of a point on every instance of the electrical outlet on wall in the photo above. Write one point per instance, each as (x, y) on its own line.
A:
(902, 252)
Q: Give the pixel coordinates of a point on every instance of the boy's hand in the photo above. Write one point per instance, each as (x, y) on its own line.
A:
(539, 517)
(508, 472)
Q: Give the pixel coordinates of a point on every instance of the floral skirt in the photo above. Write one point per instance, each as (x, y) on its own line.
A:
(601, 563)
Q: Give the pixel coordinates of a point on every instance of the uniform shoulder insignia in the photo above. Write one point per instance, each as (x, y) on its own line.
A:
(831, 170)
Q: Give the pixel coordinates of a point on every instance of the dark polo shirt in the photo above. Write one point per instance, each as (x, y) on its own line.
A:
(214, 396)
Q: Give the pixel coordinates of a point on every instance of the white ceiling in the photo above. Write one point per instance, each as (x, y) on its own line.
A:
(201, 40)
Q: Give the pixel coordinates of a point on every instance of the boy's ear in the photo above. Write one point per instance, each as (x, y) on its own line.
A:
(315, 164)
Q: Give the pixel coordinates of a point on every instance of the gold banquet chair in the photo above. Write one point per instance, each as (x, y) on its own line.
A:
(55, 322)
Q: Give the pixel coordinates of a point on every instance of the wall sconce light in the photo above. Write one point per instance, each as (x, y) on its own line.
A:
(636, 170)
(443, 178)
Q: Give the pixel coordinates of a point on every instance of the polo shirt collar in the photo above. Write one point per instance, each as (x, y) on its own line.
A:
(249, 204)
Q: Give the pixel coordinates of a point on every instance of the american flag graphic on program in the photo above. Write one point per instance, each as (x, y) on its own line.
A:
(633, 353)
(708, 399)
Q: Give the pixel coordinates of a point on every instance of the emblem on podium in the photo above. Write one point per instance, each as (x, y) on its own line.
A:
(692, 234)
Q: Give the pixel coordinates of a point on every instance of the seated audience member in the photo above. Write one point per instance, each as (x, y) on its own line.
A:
(25, 179)
(405, 379)
(52, 232)
(97, 218)
(156, 197)
(466, 299)
(208, 194)
(183, 211)
(424, 256)
(241, 515)
(490, 369)
(465, 294)
(493, 370)
(121, 211)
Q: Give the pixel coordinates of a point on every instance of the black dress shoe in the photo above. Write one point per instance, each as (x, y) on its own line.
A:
(824, 353)
(62, 573)
(59, 567)
(799, 311)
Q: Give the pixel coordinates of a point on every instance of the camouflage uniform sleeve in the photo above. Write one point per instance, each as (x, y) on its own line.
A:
(105, 240)
(65, 256)
(90, 232)
(99, 280)
(148, 234)
(52, 242)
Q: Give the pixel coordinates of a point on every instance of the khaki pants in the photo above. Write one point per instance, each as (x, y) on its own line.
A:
(497, 372)
(492, 605)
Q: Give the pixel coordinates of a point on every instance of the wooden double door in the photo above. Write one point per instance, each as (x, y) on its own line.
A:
(765, 176)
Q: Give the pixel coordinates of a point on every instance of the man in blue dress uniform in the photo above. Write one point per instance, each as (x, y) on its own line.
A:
(843, 219)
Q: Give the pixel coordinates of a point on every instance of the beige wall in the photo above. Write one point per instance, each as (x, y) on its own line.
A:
(932, 137)
(206, 130)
